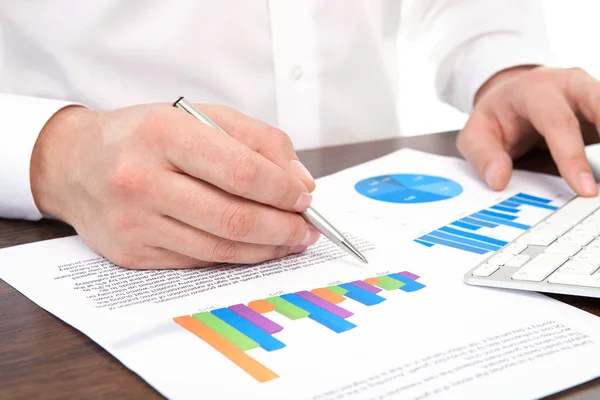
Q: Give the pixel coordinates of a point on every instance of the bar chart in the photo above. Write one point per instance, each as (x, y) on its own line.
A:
(238, 328)
(461, 234)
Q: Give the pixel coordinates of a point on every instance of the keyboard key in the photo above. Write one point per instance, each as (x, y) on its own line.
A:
(585, 256)
(578, 267)
(593, 244)
(486, 269)
(576, 239)
(589, 229)
(515, 248)
(540, 267)
(575, 210)
(562, 248)
(551, 228)
(576, 279)
(518, 260)
(500, 258)
(537, 239)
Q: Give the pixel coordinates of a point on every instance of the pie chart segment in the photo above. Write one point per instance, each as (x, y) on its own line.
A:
(408, 188)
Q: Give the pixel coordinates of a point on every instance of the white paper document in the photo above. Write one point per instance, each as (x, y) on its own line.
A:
(320, 325)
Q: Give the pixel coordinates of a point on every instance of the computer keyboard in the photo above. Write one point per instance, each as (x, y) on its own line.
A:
(560, 254)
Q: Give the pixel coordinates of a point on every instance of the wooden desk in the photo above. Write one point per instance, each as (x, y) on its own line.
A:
(41, 357)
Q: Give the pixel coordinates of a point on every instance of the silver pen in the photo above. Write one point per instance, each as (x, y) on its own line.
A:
(310, 215)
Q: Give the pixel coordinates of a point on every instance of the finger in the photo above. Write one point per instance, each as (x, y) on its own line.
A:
(160, 258)
(270, 142)
(212, 210)
(207, 154)
(583, 94)
(481, 145)
(554, 118)
(183, 239)
(147, 257)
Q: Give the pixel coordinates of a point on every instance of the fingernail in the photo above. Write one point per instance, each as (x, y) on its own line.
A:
(303, 202)
(491, 171)
(311, 237)
(296, 249)
(588, 184)
(300, 170)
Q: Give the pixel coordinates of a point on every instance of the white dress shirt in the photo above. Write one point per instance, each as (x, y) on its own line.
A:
(324, 71)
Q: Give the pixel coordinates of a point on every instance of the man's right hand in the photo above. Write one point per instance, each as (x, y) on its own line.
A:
(150, 186)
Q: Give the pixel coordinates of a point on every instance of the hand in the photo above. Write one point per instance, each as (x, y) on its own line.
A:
(520, 106)
(150, 186)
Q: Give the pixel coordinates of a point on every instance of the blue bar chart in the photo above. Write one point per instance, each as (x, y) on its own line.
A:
(462, 234)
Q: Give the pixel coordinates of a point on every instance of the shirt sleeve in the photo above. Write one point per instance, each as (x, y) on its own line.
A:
(22, 119)
(469, 41)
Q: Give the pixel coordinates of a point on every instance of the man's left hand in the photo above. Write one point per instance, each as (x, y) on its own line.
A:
(518, 108)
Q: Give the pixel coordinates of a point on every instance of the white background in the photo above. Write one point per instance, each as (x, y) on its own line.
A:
(573, 31)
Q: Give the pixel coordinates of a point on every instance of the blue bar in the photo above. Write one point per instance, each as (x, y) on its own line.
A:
(470, 220)
(362, 296)
(474, 236)
(534, 203)
(409, 284)
(265, 340)
(424, 243)
(459, 246)
(501, 221)
(464, 225)
(463, 240)
(320, 315)
(498, 215)
(509, 203)
(505, 209)
(533, 198)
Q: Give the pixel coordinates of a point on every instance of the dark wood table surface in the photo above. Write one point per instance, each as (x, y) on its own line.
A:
(42, 357)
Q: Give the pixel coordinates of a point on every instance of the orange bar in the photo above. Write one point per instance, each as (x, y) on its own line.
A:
(371, 281)
(261, 306)
(328, 295)
(228, 349)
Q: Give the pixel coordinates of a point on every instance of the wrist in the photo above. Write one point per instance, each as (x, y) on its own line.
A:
(51, 159)
(499, 78)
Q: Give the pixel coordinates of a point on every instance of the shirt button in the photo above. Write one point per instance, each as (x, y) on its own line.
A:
(297, 72)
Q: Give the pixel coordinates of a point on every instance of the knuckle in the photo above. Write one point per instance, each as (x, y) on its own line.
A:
(297, 231)
(281, 251)
(128, 180)
(565, 120)
(126, 259)
(244, 174)
(224, 251)
(121, 222)
(237, 221)
(288, 196)
(280, 136)
(576, 71)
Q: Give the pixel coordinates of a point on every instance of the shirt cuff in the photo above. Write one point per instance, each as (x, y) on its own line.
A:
(22, 120)
(487, 55)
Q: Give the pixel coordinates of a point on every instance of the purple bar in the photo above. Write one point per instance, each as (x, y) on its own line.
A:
(262, 322)
(367, 287)
(324, 304)
(409, 275)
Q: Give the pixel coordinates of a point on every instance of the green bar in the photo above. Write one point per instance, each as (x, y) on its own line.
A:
(227, 331)
(287, 309)
(387, 283)
(338, 290)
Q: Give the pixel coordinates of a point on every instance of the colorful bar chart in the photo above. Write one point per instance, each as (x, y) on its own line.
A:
(238, 328)
(461, 234)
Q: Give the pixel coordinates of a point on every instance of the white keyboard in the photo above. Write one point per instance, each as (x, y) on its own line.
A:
(561, 254)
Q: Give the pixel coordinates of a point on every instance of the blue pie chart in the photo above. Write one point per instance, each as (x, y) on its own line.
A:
(408, 188)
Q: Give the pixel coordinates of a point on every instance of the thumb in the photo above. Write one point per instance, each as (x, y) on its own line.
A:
(483, 148)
